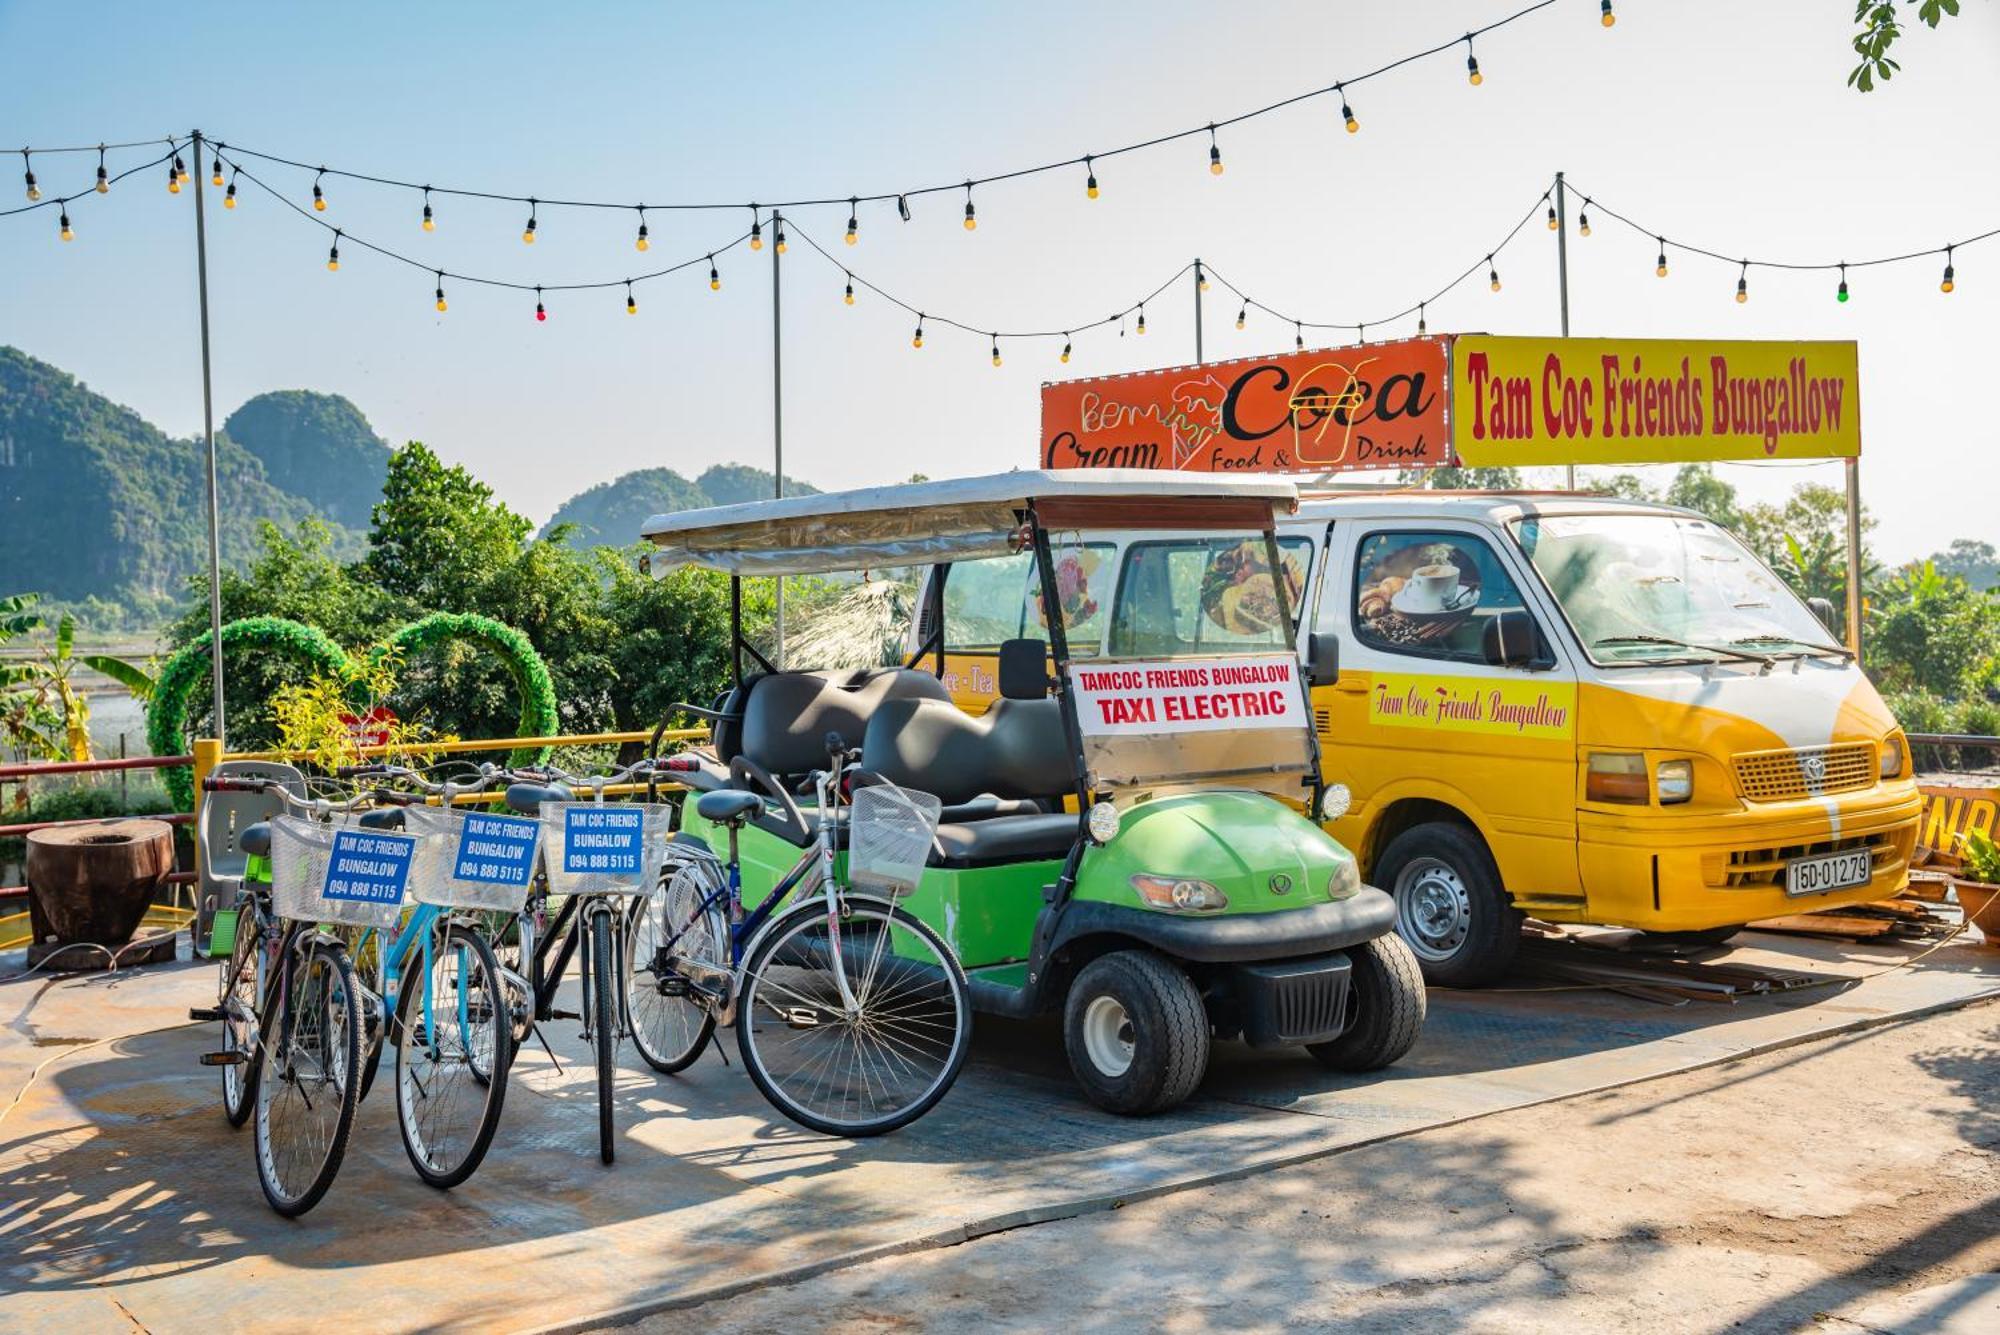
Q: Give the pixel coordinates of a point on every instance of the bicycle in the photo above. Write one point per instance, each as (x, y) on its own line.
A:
(852, 1016)
(290, 1003)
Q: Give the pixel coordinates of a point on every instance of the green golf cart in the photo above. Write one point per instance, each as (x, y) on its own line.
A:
(1128, 839)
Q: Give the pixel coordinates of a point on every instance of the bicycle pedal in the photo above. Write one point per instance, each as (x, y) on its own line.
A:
(564, 1015)
(204, 1012)
(223, 1058)
(800, 1017)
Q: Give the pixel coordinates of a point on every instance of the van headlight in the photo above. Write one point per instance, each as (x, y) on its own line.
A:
(1346, 882)
(1891, 765)
(1675, 781)
(1179, 894)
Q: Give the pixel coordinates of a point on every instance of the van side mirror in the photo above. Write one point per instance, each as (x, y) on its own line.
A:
(1512, 639)
(1322, 659)
(1823, 609)
(1024, 669)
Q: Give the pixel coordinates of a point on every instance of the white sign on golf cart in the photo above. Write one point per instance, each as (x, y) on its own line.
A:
(1188, 695)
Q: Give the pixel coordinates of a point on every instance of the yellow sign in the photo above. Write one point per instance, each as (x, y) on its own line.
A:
(1473, 704)
(1648, 400)
(1952, 811)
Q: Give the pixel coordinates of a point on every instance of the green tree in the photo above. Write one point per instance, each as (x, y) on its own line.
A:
(1881, 24)
(1696, 487)
(437, 533)
(1930, 631)
(1625, 486)
(1977, 563)
(45, 712)
(1450, 477)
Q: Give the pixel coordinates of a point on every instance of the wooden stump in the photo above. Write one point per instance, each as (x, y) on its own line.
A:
(94, 883)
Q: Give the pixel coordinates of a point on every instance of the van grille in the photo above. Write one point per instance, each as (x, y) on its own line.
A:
(1776, 776)
(1756, 868)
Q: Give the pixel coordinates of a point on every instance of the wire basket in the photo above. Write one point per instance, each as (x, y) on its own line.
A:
(595, 848)
(890, 832)
(342, 874)
(474, 859)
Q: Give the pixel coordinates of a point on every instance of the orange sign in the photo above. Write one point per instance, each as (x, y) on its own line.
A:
(1952, 811)
(1381, 405)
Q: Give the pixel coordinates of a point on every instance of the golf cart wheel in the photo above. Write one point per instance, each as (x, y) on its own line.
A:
(1387, 993)
(1701, 940)
(1135, 1032)
(1450, 906)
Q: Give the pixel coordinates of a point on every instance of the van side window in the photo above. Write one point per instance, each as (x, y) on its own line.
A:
(1175, 597)
(1430, 594)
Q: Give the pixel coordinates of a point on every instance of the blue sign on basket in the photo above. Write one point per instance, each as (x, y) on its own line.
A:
(368, 867)
(603, 839)
(496, 850)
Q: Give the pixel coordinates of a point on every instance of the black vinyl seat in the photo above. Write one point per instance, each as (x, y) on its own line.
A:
(382, 818)
(528, 797)
(255, 839)
(1002, 839)
(728, 805)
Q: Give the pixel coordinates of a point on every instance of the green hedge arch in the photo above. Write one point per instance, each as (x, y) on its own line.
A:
(166, 712)
(537, 691)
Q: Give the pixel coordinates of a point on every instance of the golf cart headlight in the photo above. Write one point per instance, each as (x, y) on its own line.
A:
(1177, 894)
(1103, 823)
(1346, 882)
(1616, 776)
(1891, 766)
(1676, 781)
(1335, 801)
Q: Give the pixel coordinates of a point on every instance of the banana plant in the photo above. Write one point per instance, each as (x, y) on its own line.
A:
(43, 709)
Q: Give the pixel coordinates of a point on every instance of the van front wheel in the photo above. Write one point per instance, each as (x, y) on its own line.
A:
(1450, 905)
(1135, 1032)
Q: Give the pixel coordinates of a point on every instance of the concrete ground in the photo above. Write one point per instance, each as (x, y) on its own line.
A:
(125, 1201)
(1847, 1184)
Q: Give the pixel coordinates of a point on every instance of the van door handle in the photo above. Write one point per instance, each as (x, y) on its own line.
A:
(1355, 687)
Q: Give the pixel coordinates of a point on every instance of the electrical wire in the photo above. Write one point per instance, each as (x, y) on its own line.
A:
(49, 200)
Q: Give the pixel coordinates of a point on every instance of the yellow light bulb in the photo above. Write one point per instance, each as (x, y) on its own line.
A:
(67, 234)
(441, 303)
(430, 224)
(1065, 356)
(756, 241)
(1947, 285)
(1741, 296)
(319, 205)
(333, 266)
(174, 186)
(780, 247)
(103, 186)
(971, 223)
(1090, 191)
(229, 201)
(715, 285)
(528, 237)
(1475, 78)
(1215, 167)
(1239, 322)
(216, 179)
(917, 342)
(631, 306)
(1353, 125)
(1661, 270)
(996, 359)
(849, 298)
(642, 244)
(851, 236)
(1496, 285)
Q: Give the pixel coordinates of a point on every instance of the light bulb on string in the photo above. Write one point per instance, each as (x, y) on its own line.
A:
(1090, 178)
(1200, 278)
(65, 233)
(103, 173)
(1492, 274)
(173, 181)
(1660, 267)
(917, 339)
(1214, 152)
(180, 168)
(1743, 284)
(1472, 74)
(1142, 319)
(778, 237)
(229, 195)
(430, 218)
(971, 215)
(996, 349)
(333, 253)
(1298, 337)
(1553, 224)
(641, 242)
(631, 302)
(1841, 293)
(1422, 328)
(27, 164)
(853, 220)
(215, 172)
(848, 296)
(756, 230)
(903, 207)
(528, 233)
(440, 291)
(714, 276)
(1605, 16)
(1950, 280)
(1242, 315)
(1583, 219)
(319, 195)
(1346, 111)
(1064, 359)
(541, 311)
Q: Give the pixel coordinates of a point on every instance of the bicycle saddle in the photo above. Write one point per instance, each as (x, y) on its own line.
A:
(255, 839)
(383, 818)
(728, 806)
(528, 797)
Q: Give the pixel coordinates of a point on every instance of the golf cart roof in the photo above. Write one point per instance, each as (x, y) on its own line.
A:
(953, 520)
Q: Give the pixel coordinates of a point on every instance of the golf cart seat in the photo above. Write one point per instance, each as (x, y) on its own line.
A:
(781, 719)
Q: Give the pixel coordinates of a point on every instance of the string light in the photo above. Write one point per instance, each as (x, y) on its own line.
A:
(1841, 295)
(1553, 224)
(1583, 219)
(1298, 336)
(848, 297)
(66, 233)
(903, 208)
(1242, 314)
(103, 173)
(528, 233)
(641, 242)
(1472, 74)
(1065, 352)
(971, 216)
(215, 173)
(853, 220)
(319, 195)
(333, 253)
(1492, 274)
(714, 276)
(631, 302)
(1743, 284)
(1422, 328)
(440, 292)
(1090, 178)
(27, 165)
(173, 181)
(229, 195)
(996, 348)
(756, 230)
(778, 240)
(1214, 152)
(1346, 111)
(180, 168)
(1200, 278)
(1950, 279)
(1660, 268)
(1142, 319)
(1607, 17)
(541, 311)
(917, 340)
(430, 218)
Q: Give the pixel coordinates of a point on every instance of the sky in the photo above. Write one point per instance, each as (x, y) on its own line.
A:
(1726, 124)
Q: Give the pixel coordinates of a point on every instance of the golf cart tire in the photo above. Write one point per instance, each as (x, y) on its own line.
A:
(1493, 927)
(1170, 1032)
(1387, 992)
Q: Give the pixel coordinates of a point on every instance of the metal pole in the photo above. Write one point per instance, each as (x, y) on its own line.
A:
(208, 439)
(1562, 276)
(778, 414)
(1198, 281)
(1854, 557)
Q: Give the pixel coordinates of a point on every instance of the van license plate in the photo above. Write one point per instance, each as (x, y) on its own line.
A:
(1835, 871)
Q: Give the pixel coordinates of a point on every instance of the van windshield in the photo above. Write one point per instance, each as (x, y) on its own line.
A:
(1649, 588)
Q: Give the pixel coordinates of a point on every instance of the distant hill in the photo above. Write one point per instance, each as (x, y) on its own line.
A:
(318, 447)
(97, 502)
(612, 512)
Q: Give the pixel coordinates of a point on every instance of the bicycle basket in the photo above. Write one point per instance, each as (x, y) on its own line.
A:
(594, 848)
(477, 859)
(890, 831)
(338, 873)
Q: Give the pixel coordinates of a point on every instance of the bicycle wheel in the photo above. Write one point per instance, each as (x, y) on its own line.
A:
(671, 1021)
(452, 1023)
(306, 1090)
(239, 1017)
(603, 997)
(866, 1072)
